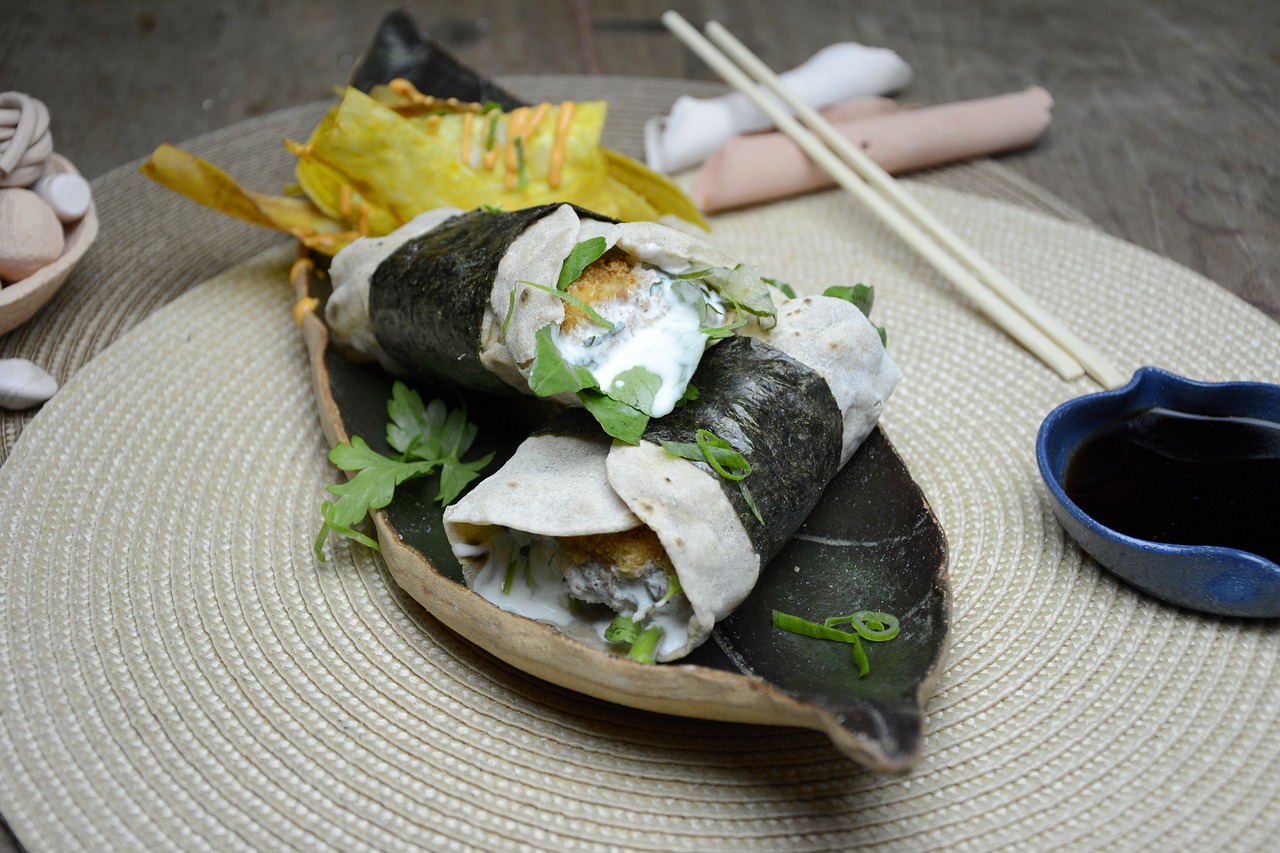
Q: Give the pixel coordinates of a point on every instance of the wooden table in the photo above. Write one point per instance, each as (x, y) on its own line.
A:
(1164, 127)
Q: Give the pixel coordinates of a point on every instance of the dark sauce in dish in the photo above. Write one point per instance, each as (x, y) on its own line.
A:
(1183, 479)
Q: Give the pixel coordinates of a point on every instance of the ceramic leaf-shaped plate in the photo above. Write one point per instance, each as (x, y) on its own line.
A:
(872, 543)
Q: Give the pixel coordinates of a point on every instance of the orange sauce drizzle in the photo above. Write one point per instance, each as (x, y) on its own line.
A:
(344, 200)
(563, 120)
(515, 126)
(468, 125)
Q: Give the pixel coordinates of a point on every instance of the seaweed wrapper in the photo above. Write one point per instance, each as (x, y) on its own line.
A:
(427, 300)
(780, 414)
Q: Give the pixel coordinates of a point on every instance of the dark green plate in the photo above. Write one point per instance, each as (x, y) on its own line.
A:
(871, 543)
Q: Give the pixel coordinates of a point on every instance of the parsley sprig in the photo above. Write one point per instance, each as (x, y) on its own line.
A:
(429, 437)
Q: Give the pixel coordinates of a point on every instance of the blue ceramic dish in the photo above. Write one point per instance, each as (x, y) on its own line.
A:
(1212, 579)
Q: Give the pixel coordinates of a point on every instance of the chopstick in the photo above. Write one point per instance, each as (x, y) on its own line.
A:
(1009, 307)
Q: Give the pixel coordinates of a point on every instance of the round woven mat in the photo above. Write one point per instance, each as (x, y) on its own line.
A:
(178, 672)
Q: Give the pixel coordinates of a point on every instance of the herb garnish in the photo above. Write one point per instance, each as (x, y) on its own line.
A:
(723, 458)
(583, 255)
(522, 172)
(743, 286)
(428, 438)
(862, 297)
(576, 302)
(867, 624)
(613, 408)
(641, 644)
(786, 289)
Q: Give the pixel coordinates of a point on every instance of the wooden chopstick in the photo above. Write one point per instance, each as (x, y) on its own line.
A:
(1002, 301)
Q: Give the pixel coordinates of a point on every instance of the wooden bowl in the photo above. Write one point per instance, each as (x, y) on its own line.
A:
(20, 300)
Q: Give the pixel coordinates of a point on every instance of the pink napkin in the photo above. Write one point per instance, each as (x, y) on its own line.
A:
(760, 167)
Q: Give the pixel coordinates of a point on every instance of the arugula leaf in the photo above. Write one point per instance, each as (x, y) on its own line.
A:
(620, 420)
(551, 374)
(861, 296)
(786, 289)
(636, 386)
(428, 437)
(690, 394)
(583, 255)
(716, 333)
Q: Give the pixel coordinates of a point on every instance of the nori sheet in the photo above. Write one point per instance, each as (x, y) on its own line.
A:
(427, 299)
(401, 49)
(780, 414)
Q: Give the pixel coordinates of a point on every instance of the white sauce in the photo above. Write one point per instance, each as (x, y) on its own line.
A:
(659, 330)
(538, 590)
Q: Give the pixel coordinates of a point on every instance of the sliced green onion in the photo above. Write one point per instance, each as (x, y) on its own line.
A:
(673, 589)
(626, 631)
(492, 138)
(796, 625)
(508, 579)
(645, 645)
(722, 456)
(623, 629)
(860, 658)
(522, 174)
(870, 624)
(506, 321)
(751, 502)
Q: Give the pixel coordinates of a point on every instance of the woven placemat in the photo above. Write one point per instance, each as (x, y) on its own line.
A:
(178, 672)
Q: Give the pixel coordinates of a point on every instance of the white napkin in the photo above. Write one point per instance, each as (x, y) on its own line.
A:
(696, 127)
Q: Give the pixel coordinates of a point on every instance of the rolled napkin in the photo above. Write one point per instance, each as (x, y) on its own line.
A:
(762, 167)
(696, 127)
(576, 530)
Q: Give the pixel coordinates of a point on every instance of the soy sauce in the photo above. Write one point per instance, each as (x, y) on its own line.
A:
(1183, 479)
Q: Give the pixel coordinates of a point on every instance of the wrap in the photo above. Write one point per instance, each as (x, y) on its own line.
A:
(576, 529)
(464, 297)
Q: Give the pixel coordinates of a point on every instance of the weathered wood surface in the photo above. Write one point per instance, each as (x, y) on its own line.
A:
(1164, 131)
